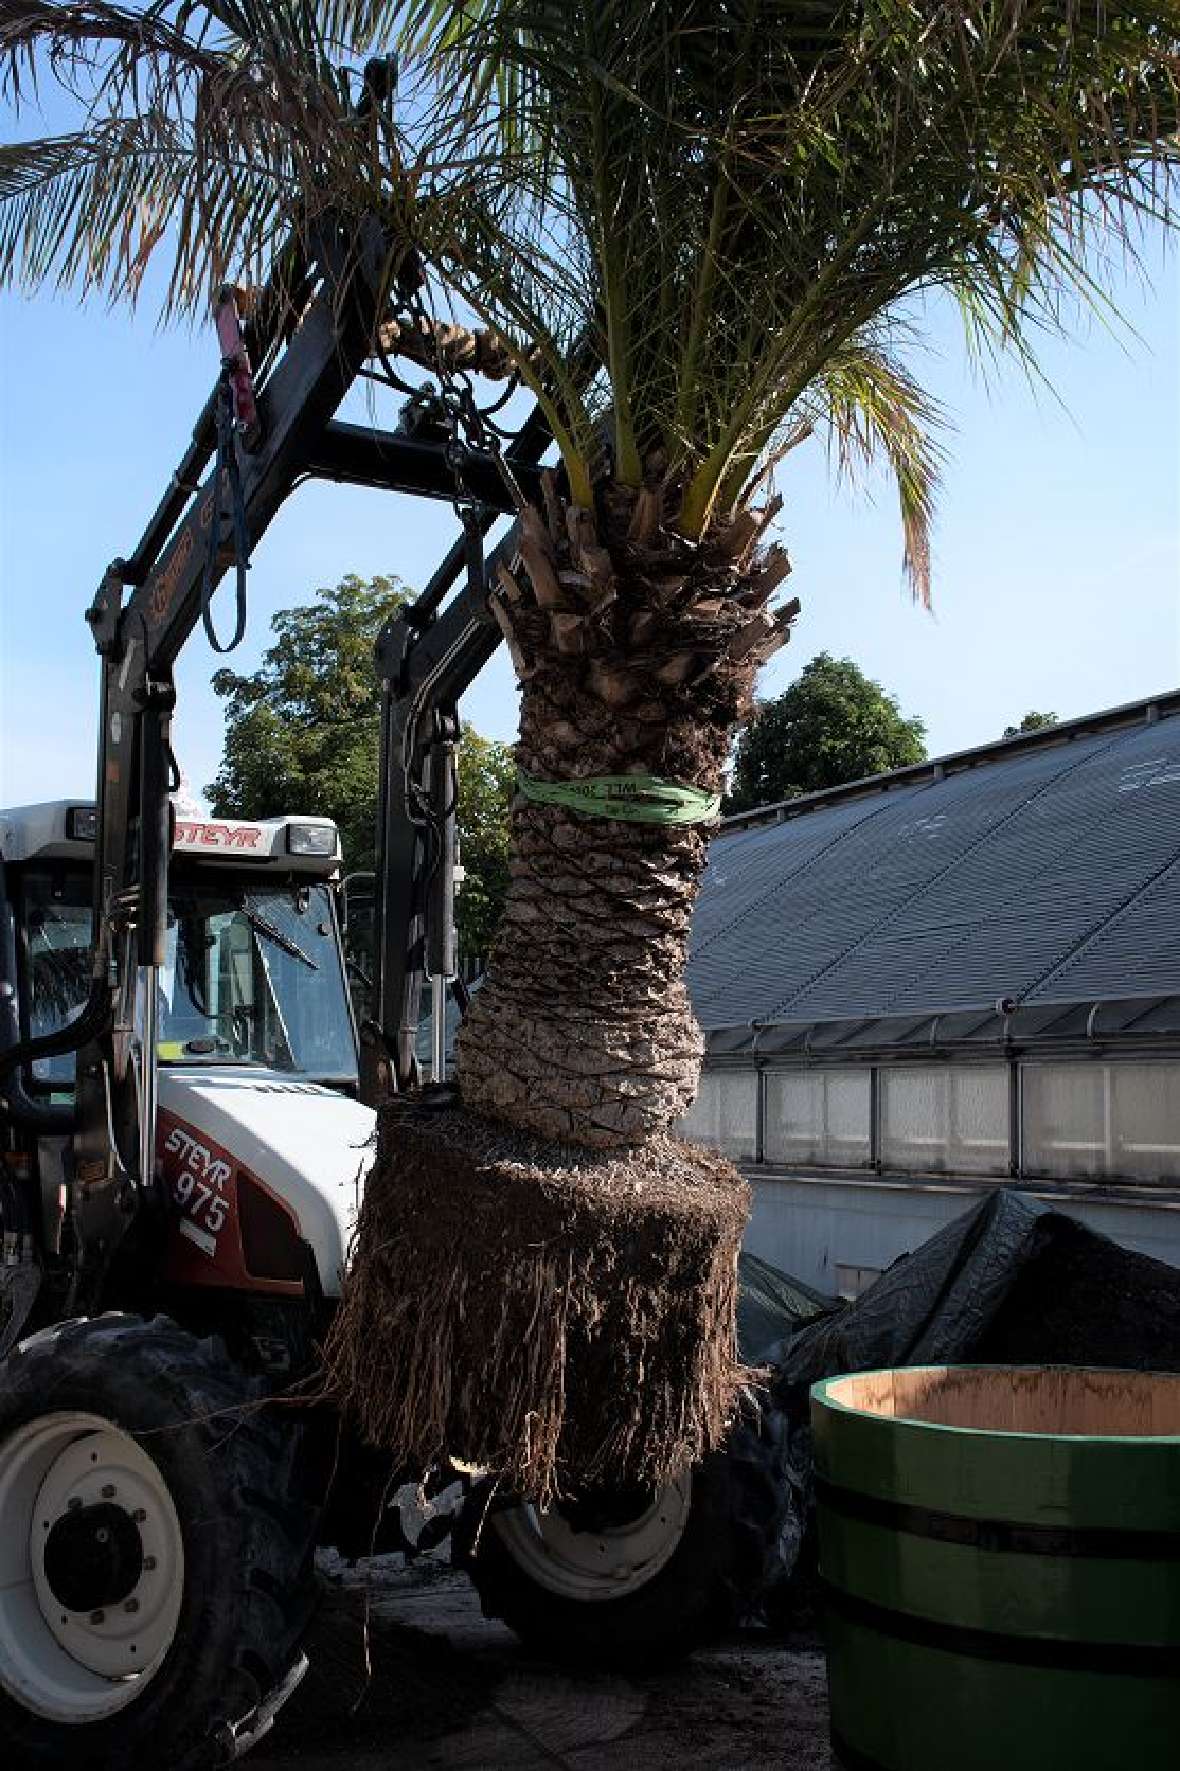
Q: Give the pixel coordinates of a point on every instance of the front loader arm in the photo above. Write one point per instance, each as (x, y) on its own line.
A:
(228, 487)
(146, 609)
(186, 549)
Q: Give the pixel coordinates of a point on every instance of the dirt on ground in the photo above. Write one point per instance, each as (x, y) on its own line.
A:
(406, 1673)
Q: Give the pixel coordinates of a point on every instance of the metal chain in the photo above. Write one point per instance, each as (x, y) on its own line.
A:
(467, 433)
(226, 467)
(468, 424)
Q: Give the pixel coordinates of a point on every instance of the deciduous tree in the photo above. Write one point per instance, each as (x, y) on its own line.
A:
(301, 730)
(833, 724)
(1032, 722)
(302, 734)
(487, 782)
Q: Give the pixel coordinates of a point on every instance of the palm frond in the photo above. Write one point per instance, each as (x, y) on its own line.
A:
(750, 184)
(90, 210)
(207, 133)
(727, 197)
(874, 409)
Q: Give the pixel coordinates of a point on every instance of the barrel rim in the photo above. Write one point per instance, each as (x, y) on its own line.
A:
(819, 1393)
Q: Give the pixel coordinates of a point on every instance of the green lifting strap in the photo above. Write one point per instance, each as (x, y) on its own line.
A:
(633, 799)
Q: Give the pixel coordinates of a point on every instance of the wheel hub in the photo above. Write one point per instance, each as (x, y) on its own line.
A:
(598, 1552)
(91, 1567)
(608, 1509)
(93, 1557)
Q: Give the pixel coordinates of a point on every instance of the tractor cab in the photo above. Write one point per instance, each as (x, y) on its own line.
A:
(253, 976)
(259, 1137)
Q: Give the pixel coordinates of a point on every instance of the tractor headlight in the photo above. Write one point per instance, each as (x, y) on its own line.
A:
(311, 839)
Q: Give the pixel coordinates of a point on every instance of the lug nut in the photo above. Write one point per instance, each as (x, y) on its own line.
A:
(98, 1617)
(73, 1504)
(149, 1562)
(108, 1491)
(138, 1516)
(131, 1605)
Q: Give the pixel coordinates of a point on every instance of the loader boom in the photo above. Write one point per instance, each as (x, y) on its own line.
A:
(254, 442)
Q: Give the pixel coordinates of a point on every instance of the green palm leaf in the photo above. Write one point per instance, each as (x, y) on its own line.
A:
(727, 196)
(875, 410)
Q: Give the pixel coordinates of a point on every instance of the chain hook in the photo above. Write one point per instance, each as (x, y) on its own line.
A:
(226, 467)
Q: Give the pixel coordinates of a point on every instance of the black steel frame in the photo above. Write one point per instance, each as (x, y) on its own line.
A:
(426, 657)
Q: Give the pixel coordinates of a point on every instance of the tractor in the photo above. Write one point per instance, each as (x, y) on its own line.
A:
(187, 1108)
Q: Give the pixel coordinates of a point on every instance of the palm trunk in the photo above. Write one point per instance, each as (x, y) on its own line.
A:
(582, 1030)
(545, 1279)
(636, 658)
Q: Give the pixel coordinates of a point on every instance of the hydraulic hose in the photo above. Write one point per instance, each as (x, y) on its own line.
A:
(93, 1021)
(50, 1119)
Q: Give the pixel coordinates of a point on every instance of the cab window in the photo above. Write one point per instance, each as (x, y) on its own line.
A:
(57, 960)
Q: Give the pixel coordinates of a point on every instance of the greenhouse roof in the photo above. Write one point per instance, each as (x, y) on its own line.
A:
(1031, 887)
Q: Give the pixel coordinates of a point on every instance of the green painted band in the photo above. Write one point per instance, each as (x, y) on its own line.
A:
(1057, 1653)
(1026, 1479)
(1091, 1599)
(631, 799)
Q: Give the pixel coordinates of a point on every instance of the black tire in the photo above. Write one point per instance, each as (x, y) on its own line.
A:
(248, 1541)
(714, 1580)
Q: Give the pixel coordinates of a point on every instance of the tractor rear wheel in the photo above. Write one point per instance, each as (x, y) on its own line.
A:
(639, 1580)
(156, 1571)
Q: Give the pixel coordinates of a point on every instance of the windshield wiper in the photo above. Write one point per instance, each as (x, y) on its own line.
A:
(263, 926)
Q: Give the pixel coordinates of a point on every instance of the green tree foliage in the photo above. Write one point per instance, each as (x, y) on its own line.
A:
(302, 734)
(301, 730)
(1032, 722)
(833, 725)
(487, 781)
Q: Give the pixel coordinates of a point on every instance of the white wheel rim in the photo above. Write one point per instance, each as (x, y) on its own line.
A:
(71, 1662)
(600, 1565)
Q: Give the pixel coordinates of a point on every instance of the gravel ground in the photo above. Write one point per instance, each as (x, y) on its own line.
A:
(447, 1688)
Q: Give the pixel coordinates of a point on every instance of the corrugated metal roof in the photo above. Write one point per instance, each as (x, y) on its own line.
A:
(1045, 871)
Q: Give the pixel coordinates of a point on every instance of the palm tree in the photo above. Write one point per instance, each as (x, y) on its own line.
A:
(738, 205)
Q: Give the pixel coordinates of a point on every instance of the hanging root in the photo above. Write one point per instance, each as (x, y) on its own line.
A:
(553, 1314)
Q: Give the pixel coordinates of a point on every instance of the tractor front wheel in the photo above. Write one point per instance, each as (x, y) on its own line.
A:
(156, 1570)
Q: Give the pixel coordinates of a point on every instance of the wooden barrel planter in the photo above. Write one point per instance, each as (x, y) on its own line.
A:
(1000, 1553)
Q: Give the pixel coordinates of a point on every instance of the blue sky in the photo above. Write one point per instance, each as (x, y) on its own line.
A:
(1057, 554)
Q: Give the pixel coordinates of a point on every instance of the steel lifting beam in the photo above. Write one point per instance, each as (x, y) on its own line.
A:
(353, 454)
(423, 673)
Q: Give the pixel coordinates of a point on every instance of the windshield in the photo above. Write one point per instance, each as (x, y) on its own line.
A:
(252, 976)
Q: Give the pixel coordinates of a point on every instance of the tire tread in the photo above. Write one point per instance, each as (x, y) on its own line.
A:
(715, 1579)
(147, 1375)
